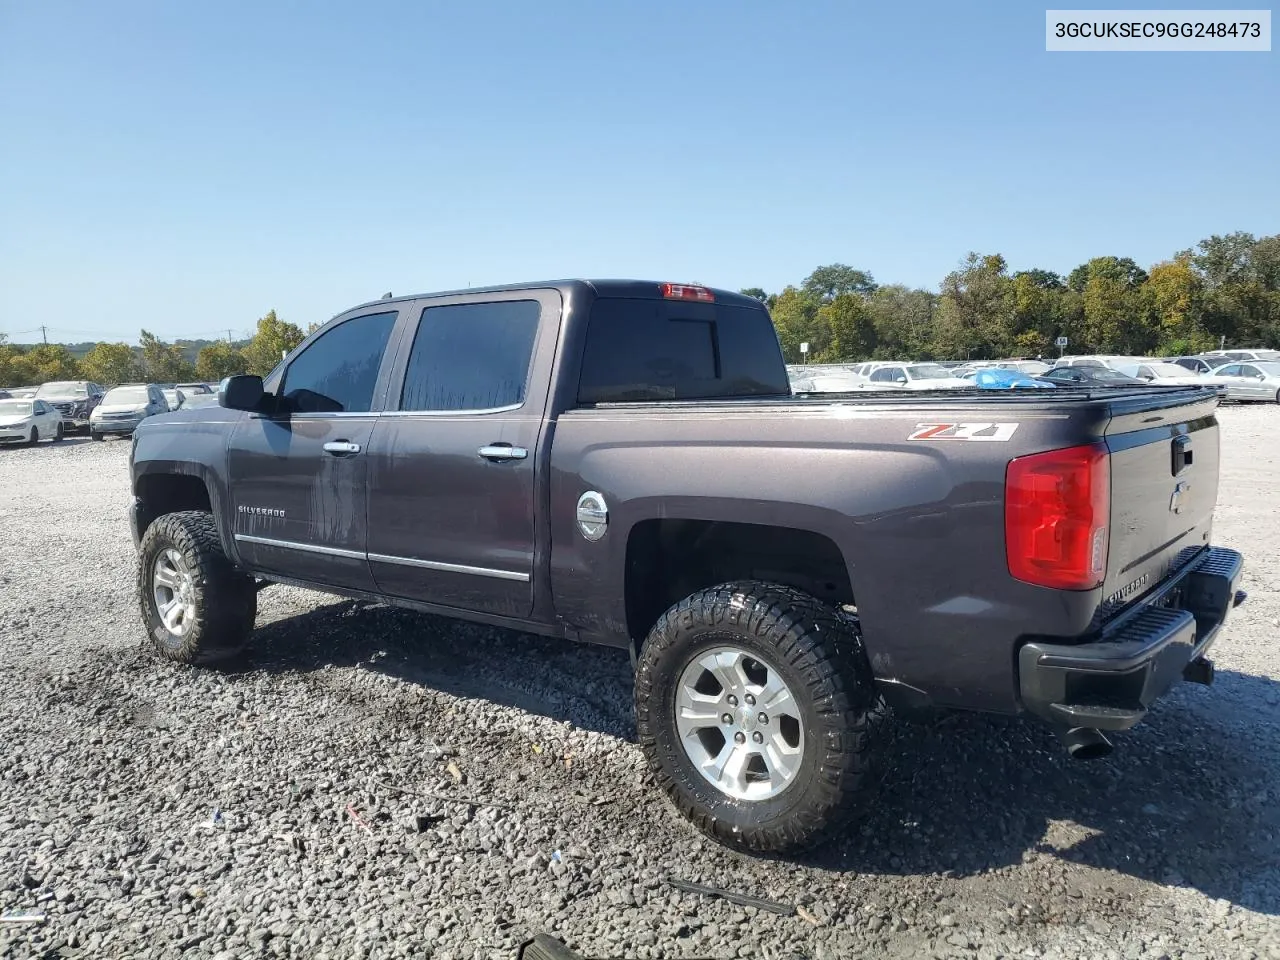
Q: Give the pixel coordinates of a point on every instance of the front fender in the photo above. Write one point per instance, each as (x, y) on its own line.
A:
(188, 447)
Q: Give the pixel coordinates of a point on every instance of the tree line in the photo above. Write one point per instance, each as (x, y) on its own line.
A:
(1225, 289)
(152, 360)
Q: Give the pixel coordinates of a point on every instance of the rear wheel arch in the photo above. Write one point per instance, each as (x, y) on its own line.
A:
(669, 559)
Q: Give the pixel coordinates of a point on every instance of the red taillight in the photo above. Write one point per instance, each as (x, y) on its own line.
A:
(686, 291)
(1057, 506)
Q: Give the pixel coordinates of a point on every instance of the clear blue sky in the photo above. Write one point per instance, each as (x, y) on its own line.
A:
(185, 167)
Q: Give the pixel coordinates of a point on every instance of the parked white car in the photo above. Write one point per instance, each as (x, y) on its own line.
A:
(914, 376)
(126, 406)
(1250, 382)
(828, 383)
(1222, 357)
(1164, 373)
(29, 421)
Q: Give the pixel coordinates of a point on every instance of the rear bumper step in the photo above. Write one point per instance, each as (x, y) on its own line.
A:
(1111, 683)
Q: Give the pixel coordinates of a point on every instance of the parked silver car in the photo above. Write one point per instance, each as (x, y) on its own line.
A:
(1251, 382)
(126, 406)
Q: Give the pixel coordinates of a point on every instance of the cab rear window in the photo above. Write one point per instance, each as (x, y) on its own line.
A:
(639, 349)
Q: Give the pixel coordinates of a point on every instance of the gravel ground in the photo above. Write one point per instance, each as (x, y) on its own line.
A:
(278, 807)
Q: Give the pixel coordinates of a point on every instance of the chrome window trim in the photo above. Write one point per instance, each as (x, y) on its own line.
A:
(322, 415)
(452, 413)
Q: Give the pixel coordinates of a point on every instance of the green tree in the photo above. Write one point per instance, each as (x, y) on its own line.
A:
(110, 363)
(1039, 314)
(796, 318)
(852, 332)
(903, 320)
(756, 292)
(1175, 294)
(15, 370)
(219, 360)
(163, 362)
(273, 338)
(827, 283)
(51, 361)
(975, 311)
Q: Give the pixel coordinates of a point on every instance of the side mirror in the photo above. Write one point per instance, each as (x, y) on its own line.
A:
(900, 380)
(242, 392)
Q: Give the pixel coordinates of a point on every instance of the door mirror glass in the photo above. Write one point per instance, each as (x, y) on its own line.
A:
(242, 392)
(900, 380)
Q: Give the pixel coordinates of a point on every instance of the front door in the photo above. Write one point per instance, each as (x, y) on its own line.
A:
(298, 476)
(453, 459)
(1255, 384)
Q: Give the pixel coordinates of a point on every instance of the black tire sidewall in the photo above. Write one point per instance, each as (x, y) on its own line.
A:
(694, 641)
(819, 655)
(225, 601)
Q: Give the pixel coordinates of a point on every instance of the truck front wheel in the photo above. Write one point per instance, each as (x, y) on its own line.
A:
(756, 710)
(196, 606)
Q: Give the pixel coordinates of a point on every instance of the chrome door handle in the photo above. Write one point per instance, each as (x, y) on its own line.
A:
(503, 451)
(341, 448)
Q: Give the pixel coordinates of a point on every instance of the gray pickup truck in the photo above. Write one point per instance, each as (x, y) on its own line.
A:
(624, 462)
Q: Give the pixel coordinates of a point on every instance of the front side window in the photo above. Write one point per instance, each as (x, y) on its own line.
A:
(338, 370)
(1248, 371)
(1231, 370)
(471, 356)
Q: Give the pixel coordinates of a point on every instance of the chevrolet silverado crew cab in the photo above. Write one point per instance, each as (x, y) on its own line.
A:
(625, 463)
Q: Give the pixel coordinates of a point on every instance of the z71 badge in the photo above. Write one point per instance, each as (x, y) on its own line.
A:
(993, 432)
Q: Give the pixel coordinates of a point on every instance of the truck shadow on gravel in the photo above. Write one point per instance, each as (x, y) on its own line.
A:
(1189, 798)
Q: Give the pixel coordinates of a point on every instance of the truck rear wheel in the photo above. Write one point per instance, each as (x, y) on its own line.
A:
(196, 606)
(756, 709)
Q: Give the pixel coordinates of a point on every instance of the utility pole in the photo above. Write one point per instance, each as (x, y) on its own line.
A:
(228, 338)
(44, 334)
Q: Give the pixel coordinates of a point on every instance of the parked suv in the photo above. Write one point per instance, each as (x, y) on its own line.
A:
(126, 406)
(74, 400)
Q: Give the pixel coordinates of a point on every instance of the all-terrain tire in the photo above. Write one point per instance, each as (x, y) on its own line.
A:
(817, 651)
(224, 601)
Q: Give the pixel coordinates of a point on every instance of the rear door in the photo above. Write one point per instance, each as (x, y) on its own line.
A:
(298, 476)
(453, 461)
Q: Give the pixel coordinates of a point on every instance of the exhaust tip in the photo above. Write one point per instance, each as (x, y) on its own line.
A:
(1085, 743)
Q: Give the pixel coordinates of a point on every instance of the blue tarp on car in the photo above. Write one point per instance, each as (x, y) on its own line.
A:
(996, 378)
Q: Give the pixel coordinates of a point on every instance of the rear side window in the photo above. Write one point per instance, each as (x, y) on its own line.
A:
(676, 350)
(338, 370)
(471, 356)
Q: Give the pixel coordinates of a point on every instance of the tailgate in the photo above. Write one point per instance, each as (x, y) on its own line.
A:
(1164, 484)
